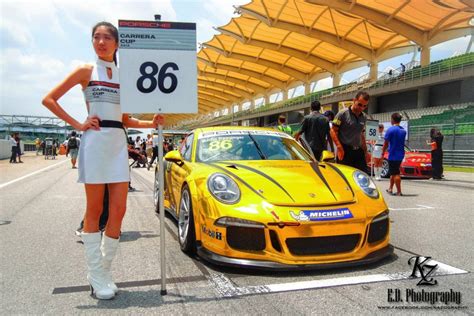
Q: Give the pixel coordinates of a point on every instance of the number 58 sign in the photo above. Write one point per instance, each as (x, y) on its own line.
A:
(371, 130)
(157, 67)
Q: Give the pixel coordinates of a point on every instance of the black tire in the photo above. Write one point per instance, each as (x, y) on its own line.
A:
(186, 230)
(384, 172)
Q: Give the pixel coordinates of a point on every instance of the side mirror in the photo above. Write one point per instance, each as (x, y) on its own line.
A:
(174, 156)
(328, 156)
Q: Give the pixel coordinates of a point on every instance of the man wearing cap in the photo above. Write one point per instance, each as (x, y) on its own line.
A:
(347, 132)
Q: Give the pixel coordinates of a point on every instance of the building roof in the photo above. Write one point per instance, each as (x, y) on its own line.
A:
(275, 45)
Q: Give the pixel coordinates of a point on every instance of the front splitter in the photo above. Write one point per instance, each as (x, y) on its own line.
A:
(271, 265)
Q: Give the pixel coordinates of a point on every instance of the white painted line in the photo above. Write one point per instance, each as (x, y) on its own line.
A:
(227, 288)
(420, 207)
(426, 206)
(31, 174)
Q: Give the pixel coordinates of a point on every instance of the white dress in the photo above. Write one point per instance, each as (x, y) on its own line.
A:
(103, 154)
(378, 147)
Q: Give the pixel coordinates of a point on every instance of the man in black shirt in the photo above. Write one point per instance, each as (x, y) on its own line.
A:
(347, 132)
(316, 130)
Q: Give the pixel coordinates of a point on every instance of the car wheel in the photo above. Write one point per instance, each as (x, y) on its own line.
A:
(384, 172)
(186, 232)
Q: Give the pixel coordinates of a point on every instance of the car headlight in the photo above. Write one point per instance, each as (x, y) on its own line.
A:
(234, 221)
(223, 188)
(366, 184)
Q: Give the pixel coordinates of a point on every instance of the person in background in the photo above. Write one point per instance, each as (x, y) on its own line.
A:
(395, 142)
(37, 145)
(13, 145)
(18, 147)
(377, 153)
(347, 133)
(149, 146)
(104, 217)
(138, 143)
(72, 148)
(282, 126)
(436, 144)
(330, 115)
(315, 128)
(154, 140)
(104, 153)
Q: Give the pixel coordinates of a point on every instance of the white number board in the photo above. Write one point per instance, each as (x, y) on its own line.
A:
(371, 130)
(158, 71)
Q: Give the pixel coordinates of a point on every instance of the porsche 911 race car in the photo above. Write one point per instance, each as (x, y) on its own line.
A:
(246, 196)
(414, 165)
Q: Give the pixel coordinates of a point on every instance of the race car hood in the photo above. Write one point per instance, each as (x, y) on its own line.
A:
(291, 183)
(416, 155)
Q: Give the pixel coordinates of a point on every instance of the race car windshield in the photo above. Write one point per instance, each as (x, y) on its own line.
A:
(248, 147)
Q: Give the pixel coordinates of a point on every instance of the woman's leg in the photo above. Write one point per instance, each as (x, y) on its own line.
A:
(110, 240)
(117, 207)
(95, 198)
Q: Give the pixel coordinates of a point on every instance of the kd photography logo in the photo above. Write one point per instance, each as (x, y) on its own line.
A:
(416, 298)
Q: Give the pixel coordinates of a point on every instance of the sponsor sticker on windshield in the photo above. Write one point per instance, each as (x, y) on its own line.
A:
(322, 215)
(242, 132)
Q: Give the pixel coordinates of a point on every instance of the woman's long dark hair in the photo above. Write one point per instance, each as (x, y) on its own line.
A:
(112, 29)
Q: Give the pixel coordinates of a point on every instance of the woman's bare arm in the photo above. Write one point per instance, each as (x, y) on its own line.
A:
(131, 122)
(79, 76)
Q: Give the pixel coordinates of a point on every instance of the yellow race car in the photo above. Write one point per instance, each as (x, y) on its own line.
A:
(254, 197)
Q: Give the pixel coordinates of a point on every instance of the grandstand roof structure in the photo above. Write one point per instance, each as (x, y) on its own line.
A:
(275, 45)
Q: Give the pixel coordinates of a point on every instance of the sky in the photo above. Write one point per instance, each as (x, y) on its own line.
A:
(44, 40)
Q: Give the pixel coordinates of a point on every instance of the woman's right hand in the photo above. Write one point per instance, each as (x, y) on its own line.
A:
(92, 122)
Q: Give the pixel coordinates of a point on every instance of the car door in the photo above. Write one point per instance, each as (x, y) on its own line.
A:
(179, 172)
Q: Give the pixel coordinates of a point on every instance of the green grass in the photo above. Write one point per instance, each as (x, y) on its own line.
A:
(459, 169)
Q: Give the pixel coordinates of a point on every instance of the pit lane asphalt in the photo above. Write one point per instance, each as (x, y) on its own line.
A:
(43, 269)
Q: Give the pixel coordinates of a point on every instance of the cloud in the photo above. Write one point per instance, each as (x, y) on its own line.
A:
(42, 42)
(27, 78)
(221, 11)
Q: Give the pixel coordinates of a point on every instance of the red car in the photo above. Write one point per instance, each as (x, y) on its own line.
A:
(414, 165)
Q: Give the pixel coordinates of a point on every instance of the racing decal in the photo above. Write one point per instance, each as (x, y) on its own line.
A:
(226, 171)
(221, 144)
(341, 175)
(322, 215)
(263, 175)
(211, 233)
(315, 167)
(101, 91)
(242, 132)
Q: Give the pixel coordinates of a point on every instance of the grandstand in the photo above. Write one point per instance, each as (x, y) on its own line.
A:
(437, 72)
(32, 127)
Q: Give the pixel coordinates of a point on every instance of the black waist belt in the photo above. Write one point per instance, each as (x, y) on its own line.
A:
(114, 124)
(109, 123)
(351, 147)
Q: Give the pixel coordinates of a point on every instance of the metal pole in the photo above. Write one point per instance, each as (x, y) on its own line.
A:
(161, 209)
(160, 200)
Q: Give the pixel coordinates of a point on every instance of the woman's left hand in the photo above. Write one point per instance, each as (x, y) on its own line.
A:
(158, 119)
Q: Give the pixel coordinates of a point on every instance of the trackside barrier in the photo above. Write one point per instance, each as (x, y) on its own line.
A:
(6, 149)
(457, 158)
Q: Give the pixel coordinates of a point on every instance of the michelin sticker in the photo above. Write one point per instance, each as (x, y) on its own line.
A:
(322, 215)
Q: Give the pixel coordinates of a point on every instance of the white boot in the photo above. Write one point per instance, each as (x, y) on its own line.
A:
(109, 249)
(96, 275)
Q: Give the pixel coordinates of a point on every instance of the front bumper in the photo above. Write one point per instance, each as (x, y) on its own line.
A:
(270, 265)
